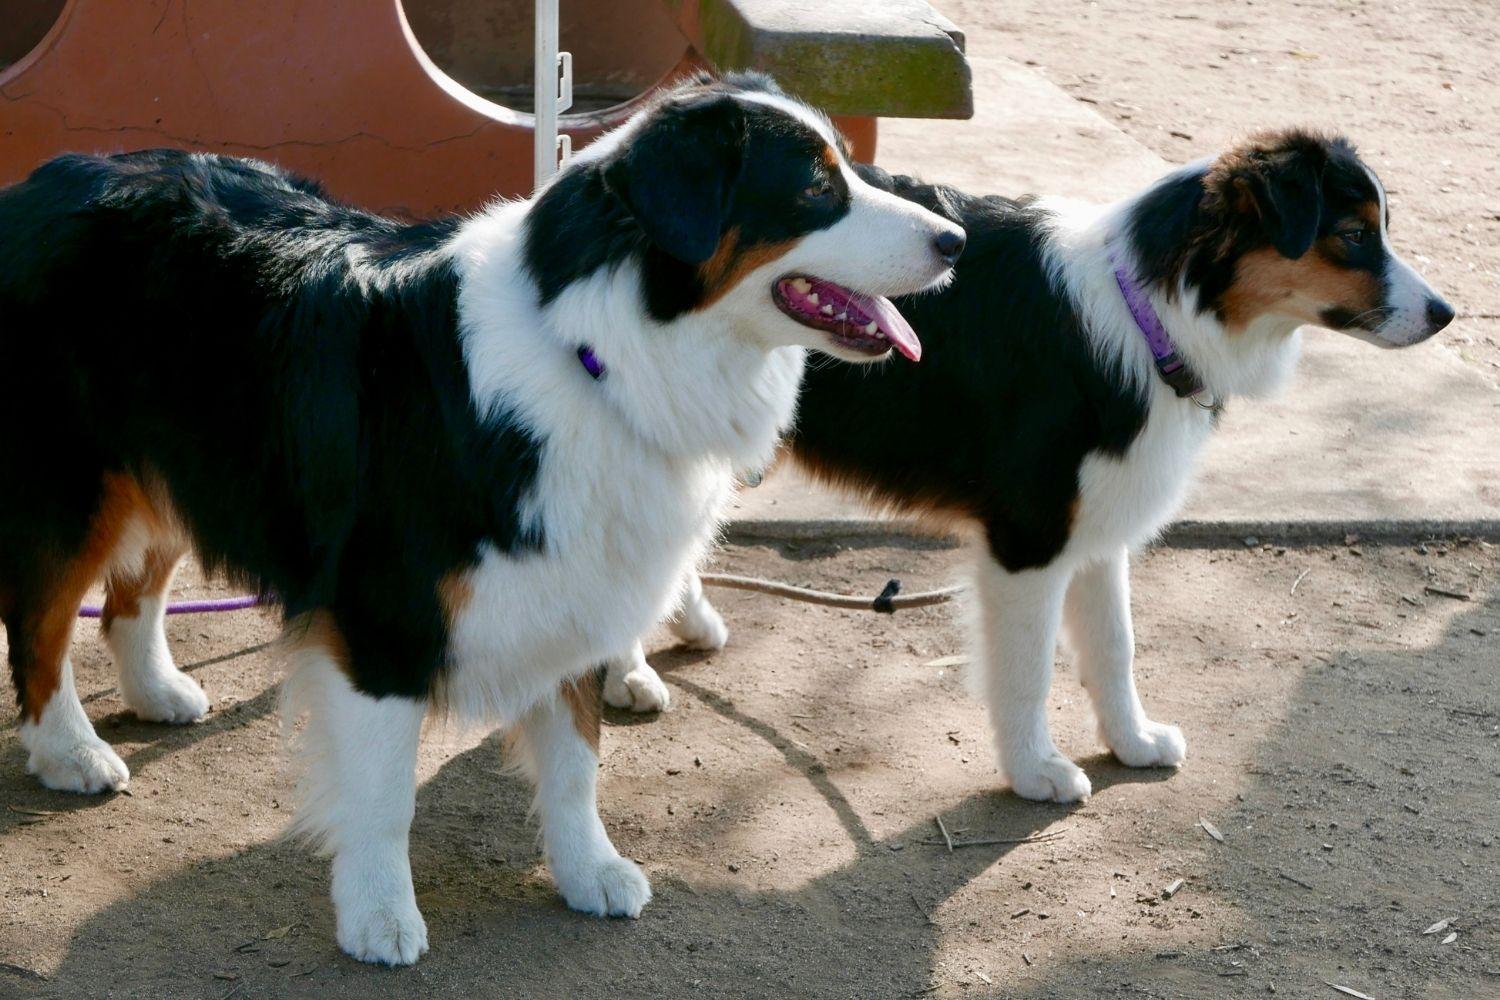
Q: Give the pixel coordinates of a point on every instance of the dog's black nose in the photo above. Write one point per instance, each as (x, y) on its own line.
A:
(949, 244)
(1439, 314)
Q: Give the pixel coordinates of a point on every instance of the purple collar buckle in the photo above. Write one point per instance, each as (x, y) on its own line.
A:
(591, 362)
(1169, 364)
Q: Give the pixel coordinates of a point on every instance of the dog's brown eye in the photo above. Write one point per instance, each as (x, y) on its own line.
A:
(817, 190)
(1355, 237)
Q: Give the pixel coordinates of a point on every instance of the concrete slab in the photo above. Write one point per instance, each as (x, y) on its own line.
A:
(1362, 438)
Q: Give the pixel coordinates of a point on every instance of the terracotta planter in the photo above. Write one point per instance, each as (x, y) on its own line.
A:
(336, 89)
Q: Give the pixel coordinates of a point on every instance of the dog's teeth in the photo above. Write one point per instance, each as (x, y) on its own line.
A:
(826, 310)
(842, 316)
(872, 327)
(801, 285)
(812, 299)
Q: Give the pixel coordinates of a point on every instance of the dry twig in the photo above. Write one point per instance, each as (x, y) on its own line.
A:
(944, 831)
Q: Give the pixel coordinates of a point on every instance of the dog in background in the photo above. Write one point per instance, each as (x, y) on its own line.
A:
(1074, 369)
(470, 457)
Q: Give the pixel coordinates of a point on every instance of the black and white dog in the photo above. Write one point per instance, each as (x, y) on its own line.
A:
(1073, 371)
(471, 457)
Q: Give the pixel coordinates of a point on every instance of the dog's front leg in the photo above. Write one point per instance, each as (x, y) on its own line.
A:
(1019, 617)
(696, 622)
(359, 798)
(559, 745)
(1097, 616)
(630, 682)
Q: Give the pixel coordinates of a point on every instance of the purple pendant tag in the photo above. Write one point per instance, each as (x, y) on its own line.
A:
(591, 362)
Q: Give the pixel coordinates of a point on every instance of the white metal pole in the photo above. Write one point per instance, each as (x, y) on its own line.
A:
(554, 95)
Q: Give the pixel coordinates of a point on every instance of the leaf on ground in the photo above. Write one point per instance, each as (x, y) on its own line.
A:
(1210, 829)
(947, 661)
(1441, 925)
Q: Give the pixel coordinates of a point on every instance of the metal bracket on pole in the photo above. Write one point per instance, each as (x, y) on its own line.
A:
(552, 85)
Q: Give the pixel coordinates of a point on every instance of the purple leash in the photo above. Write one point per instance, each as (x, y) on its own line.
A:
(188, 607)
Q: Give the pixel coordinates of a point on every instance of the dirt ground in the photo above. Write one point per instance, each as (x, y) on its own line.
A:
(1345, 740)
(1415, 83)
(1343, 722)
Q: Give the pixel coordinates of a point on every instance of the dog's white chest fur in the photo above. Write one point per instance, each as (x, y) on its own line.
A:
(636, 468)
(1127, 500)
(618, 537)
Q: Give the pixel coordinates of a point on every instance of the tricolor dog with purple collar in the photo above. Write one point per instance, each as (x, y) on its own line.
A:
(1072, 372)
(473, 456)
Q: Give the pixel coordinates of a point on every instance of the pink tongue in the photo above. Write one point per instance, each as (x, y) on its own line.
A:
(897, 329)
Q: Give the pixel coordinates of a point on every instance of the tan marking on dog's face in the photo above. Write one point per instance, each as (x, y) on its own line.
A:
(732, 261)
(1267, 283)
(585, 701)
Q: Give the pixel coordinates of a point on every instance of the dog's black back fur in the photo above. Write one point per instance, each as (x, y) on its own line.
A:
(1008, 400)
(302, 339)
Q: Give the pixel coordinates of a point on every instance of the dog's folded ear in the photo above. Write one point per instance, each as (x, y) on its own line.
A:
(1280, 187)
(677, 176)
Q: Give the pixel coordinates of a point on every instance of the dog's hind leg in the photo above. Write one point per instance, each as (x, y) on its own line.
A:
(62, 749)
(135, 628)
(40, 609)
(1019, 617)
(358, 795)
(558, 744)
(630, 682)
(1097, 617)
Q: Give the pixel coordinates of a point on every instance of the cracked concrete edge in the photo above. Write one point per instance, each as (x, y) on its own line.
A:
(1178, 534)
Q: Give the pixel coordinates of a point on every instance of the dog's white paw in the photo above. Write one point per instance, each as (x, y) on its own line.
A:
(614, 887)
(378, 919)
(1152, 744)
(637, 687)
(169, 696)
(700, 627)
(88, 767)
(390, 934)
(1053, 778)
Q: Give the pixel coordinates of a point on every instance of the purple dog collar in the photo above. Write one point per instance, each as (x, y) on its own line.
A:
(591, 362)
(1169, 364)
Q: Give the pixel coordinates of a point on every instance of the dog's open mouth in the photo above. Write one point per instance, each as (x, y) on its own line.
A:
(863, 323)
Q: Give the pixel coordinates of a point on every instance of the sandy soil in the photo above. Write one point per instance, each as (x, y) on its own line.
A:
(1415, 84)
(1345, 740)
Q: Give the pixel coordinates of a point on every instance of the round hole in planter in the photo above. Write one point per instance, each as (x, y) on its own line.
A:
(621, 48)
(24, 24)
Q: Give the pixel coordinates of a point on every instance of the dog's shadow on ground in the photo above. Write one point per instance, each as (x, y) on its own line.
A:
(486, 897)
(260, 918)
(152, 742)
